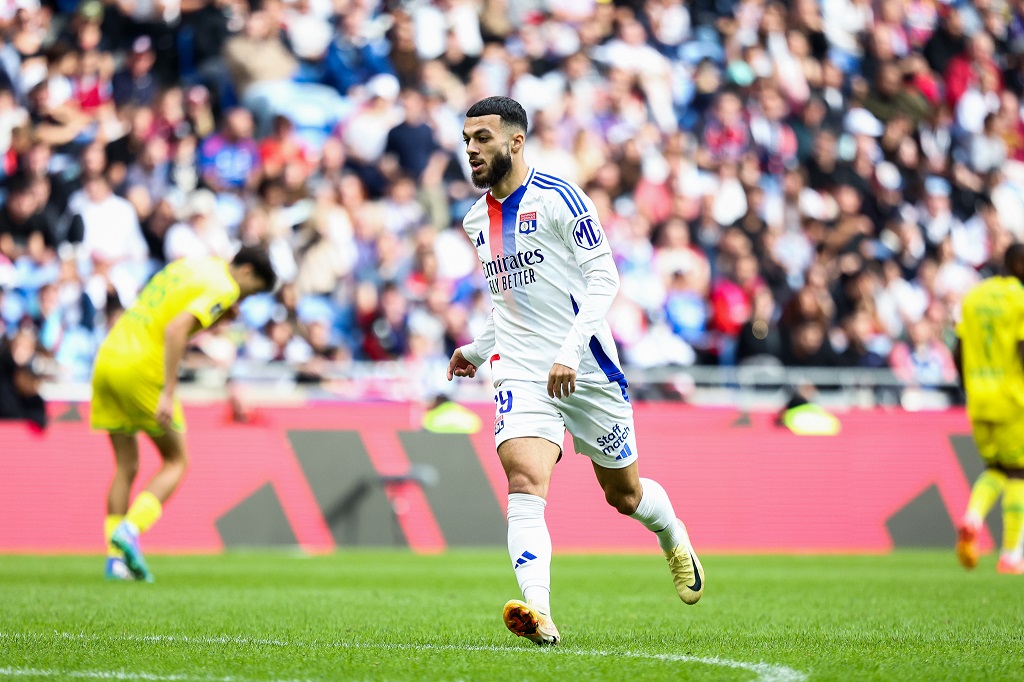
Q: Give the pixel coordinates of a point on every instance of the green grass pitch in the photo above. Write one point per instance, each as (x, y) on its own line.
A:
(365, 615)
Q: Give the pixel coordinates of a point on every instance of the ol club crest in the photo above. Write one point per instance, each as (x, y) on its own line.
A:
(527, 222)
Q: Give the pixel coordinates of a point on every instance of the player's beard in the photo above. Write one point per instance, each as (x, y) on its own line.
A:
(497, 169)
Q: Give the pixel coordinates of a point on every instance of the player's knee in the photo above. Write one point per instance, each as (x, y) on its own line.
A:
(128, 469)
(182, 460)
(176, 457)
(522, 482)
(624, 501)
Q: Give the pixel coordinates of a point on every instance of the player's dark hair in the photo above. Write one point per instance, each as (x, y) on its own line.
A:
(258, 258)
(510, 111)
(1013, 260)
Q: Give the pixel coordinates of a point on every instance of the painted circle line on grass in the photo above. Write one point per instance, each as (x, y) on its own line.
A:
(765, 672)
(109, 675)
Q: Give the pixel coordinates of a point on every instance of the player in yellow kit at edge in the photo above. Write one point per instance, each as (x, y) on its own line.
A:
(989, 354)
(135, 380)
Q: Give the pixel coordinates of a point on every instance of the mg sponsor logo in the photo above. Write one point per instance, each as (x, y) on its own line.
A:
(587, 234)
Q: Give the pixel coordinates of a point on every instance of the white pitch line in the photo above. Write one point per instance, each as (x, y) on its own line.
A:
(113, 675)
(765, 672)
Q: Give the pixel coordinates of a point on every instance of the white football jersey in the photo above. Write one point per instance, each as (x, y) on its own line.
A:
(531, 246)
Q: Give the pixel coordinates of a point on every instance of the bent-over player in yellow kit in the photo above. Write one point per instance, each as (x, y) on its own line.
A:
(989, 354)
(135, 380)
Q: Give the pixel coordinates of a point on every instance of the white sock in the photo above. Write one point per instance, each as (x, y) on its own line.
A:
(529, 547)
(656, 513)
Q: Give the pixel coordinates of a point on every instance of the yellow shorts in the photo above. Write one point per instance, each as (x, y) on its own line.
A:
(125, 396)
(1000, 442)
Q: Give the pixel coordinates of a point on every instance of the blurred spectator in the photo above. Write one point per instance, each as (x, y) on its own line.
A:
(412, 142)
(948, 41)
(546, 152)
(93, 92)
(325, 249)
(357, 52)
(384, 327)
(23, 228)
(55, 126)
(891, 95)
(759, 338)
(135, 83)
(119, 154)
(978, 100)
(282, 148)
(726, 137)
(922, 360)
(732, 296)
(199, 111)
(258, 55)
(866, 345)
(170, 121)
(148, 180)
(112, 241)
(199, 233)
(20, 378)
(365, 132)
(229, 160)
(975, 67)
(155, 229)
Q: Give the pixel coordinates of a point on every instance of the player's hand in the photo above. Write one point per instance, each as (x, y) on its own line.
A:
(459, 366)
(561, 381)
(165, 410)
(230, 314)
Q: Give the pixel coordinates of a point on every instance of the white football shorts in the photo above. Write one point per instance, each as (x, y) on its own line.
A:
(598, 415)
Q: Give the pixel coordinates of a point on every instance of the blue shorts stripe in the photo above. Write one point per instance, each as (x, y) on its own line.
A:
(561, 192)
(582, 205)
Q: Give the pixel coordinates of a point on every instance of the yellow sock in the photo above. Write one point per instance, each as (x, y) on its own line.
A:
(109, 525)
(1013, 515)
(145, 511)
(985, 493)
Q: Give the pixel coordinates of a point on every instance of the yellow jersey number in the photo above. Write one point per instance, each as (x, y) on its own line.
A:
(153, 295)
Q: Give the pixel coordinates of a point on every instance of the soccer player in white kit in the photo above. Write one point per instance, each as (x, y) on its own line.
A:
(554, 364)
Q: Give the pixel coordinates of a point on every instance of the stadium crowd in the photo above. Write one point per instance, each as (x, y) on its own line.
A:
(815, 184)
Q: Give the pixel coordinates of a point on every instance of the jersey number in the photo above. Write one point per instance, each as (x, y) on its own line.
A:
(156, 290)
(503, 400)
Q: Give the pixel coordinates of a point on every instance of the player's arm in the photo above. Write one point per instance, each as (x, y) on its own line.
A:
(581, 231)
(176, 337)
(958, 360)
(466, 359)
(961, 330)
(218, 296)
(602, 285)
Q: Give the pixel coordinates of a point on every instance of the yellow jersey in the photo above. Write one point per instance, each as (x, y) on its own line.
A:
(990, 328)
(202, 287)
